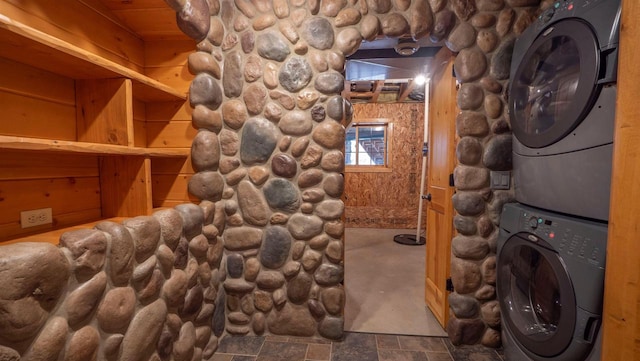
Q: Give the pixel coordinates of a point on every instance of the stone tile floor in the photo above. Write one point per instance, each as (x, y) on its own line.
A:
(354, 347)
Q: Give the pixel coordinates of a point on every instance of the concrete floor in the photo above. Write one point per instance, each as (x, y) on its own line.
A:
(384, 283)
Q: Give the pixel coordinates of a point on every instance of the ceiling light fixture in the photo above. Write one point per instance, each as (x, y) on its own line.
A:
(420, 80)
(406, 46)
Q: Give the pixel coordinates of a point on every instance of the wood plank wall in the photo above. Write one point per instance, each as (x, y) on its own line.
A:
(83, 23)
(168, 125)
(621, 340)
(389, 200)
(40, 104)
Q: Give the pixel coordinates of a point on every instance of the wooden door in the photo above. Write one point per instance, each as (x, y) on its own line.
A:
(439, 214)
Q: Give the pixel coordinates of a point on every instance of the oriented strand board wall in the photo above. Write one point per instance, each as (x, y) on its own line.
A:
(389, 200)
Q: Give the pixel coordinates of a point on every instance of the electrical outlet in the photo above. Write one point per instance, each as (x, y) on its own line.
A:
(36, 217)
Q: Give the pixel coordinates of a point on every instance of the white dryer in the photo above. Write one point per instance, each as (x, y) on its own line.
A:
(562, 99)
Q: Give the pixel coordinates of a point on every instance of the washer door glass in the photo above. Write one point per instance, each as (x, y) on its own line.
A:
(554, 85)
(536, 296)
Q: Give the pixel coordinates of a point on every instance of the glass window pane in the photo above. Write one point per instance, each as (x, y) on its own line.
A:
(365, 145)
(350, 146)
(547, 85)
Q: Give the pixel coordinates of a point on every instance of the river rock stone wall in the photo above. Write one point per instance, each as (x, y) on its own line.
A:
(145, 289)
(272, 125)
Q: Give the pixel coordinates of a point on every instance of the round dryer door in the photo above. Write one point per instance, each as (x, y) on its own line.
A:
(554, 86)
(536, 296)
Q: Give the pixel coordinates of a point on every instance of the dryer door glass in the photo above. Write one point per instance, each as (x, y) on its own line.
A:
(555, 84)
(536, 296)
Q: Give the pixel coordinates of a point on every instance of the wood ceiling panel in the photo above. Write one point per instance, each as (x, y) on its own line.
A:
(150, 19)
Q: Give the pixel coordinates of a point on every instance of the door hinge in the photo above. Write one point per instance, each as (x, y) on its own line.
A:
(451, 181)
(449, 286)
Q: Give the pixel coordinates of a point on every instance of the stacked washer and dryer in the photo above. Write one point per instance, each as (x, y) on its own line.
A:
(552, 243)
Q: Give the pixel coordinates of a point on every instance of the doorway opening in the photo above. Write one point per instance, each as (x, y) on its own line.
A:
(385, 280)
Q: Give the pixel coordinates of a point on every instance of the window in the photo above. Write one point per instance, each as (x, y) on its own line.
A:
(367, 146)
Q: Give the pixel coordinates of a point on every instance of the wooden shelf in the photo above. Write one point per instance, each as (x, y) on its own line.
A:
(24, 44)
(35, 144)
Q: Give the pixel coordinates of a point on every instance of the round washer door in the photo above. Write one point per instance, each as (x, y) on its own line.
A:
(554, 86)
(537, 299)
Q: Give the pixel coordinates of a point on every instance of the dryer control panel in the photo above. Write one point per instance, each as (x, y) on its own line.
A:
(571, 237)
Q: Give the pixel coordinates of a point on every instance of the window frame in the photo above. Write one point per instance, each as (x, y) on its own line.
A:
(387, 123)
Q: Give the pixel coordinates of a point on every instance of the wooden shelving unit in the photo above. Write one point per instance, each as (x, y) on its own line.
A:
(26, 45)
(62, 100)
(62, 146)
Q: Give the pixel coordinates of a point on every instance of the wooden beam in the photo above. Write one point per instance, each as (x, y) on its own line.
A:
(406, 90)
(621, 317)
(377, 90)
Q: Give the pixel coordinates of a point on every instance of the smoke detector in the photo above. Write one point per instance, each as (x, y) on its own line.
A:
(406, 46)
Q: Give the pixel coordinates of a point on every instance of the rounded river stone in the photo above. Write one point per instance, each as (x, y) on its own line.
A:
(501, 60)
(329, 134)
(470, 96)
(474, 248)
(348, 16)
(193, 19)
(205, 90)
(293, 321)
(311, 157)
(443, 23)
(276, 244)
(259, 139)
(242, 238)
(206, 186)
(33, 276)
(144, 331)
(468, 203)
(329, 83)
(394, 25)
(295, 74)
(348, 41)
(463, 306)
(298, 288)
(235, 265)
(330, 209)
(470, 65)
(303, 226)
(465, 225)
(206, 118)
(329, 274)
(232, 81)
(116, 310)
(295, 122)
(332, 327)
(465, 275)
(497, 154)
(253, 204)
(471, 124)
(333, 184)
(470, 178)
(284, 165)
(255, 98)
(469, 150)
(282, 195)
(205, 151)
(272, 46)
(88, 248)
(318, 33)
